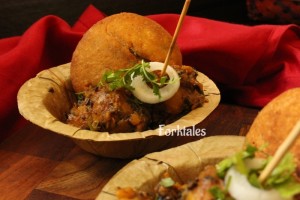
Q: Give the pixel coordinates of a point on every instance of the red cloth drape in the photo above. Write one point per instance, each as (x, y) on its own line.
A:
(250, 64)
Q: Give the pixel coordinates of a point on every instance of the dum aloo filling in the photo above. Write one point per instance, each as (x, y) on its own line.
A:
(234, 178)
(117, 105)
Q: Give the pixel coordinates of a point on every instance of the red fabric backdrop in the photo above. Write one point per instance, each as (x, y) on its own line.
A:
(251, 65)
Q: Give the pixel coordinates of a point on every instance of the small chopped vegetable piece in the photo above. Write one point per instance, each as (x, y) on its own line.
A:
(167, 182)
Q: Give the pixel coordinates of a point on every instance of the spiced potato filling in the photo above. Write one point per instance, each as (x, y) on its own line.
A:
(102, 109)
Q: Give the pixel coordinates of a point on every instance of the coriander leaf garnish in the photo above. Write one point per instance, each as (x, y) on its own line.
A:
(167, 182)
(123, 78)
(281, 179)
(219, 194)
(80, 96)
(236, 160)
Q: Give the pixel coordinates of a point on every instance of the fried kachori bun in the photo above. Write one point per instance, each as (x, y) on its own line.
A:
(119, 41)
(274, 122)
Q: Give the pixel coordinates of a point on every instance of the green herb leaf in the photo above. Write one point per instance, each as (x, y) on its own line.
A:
(250, 151)
(219, 194)
(282, 171)
(167, 182)
(223, 166)
(281, 178)
(163, 80)
(156, 89)
(288, 189)
(80, 96)
(123, 78)
(237, 160)
(253, 179)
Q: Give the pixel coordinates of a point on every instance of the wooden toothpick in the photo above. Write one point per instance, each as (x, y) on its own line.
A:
(282, 150)
(178, 27)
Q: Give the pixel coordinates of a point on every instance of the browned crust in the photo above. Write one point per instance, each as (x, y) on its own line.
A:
(119, 41)
(275, 121)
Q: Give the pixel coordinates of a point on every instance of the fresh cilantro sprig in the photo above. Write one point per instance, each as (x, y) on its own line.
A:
(122, 78)
(281, 179)
(219, 194)
(237, 160)
(167, 182)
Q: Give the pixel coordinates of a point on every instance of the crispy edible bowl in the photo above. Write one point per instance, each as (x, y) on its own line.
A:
(46, 99)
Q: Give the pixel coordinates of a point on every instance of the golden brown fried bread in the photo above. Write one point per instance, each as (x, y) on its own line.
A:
(119, 41)
(275, 121)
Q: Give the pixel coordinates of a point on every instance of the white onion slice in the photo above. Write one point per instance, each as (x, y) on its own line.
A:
(145, 93)
(240, 188)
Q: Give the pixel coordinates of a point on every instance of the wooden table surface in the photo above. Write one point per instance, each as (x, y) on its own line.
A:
(41, 165)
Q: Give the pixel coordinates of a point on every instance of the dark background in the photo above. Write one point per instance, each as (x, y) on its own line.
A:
(17, 15)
